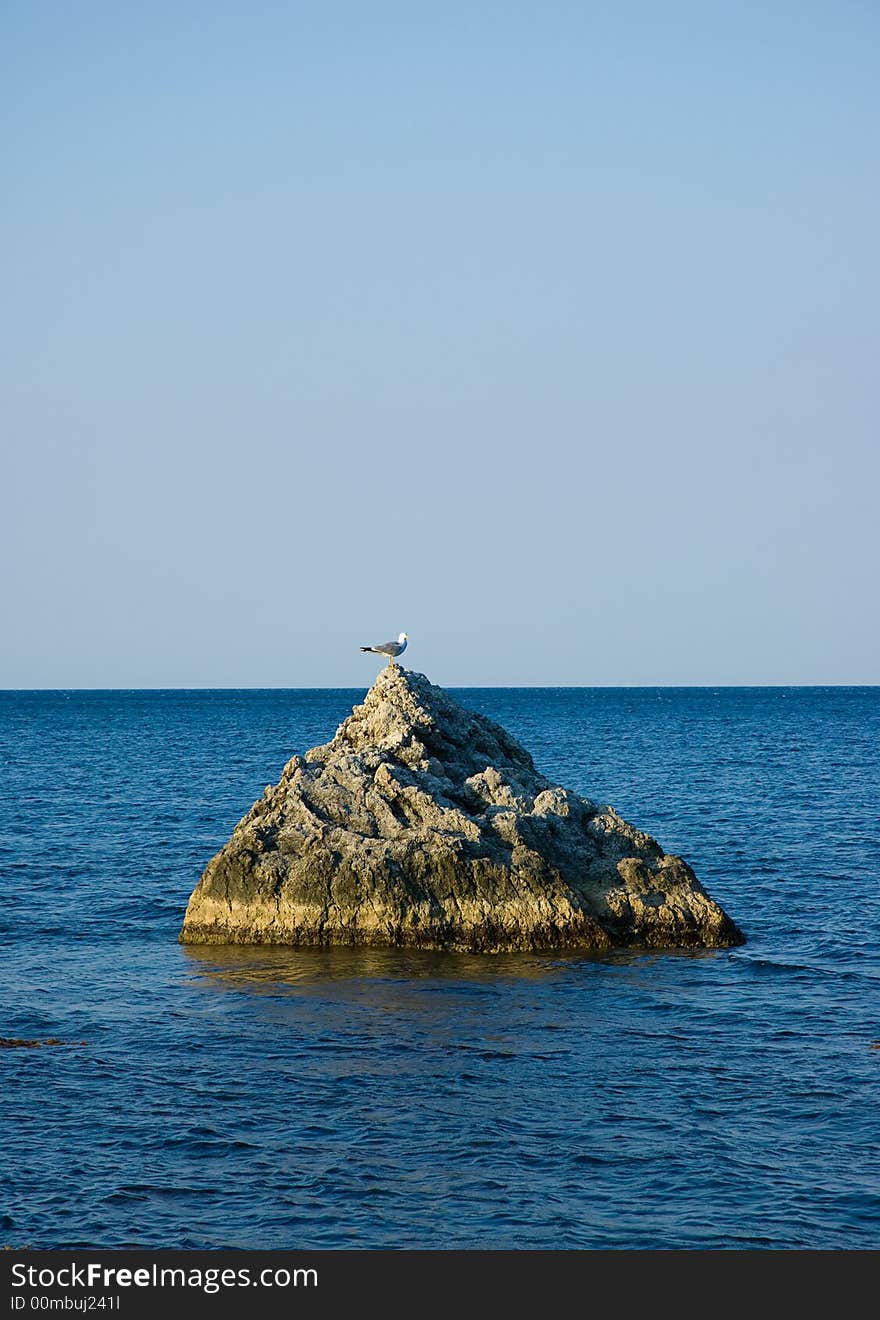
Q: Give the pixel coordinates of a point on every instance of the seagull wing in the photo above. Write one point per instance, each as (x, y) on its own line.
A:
(385, 648)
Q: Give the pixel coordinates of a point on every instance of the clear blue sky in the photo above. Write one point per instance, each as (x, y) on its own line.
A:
(545, 332)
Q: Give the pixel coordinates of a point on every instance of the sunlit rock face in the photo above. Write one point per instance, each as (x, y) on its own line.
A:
(423, 824)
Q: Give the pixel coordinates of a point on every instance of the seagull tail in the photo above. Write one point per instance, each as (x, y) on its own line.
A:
(366, 648)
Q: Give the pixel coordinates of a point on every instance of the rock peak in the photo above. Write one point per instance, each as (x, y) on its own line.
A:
(423, 823)
(411, 720)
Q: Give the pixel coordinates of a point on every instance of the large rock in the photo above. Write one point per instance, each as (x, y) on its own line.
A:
(426, 825)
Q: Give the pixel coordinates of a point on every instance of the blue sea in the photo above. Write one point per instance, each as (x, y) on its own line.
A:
(282, 1098)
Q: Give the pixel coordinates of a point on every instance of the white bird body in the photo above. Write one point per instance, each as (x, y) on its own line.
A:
(391, 649)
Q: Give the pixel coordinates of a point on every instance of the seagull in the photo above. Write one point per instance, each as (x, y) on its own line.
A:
(391, 649)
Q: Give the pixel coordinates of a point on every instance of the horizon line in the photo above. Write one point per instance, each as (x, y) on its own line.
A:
(472, 687)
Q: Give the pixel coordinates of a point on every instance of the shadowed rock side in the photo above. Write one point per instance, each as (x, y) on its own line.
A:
(423, 824)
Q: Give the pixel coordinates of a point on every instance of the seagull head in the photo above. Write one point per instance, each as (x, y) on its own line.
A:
(403, 638)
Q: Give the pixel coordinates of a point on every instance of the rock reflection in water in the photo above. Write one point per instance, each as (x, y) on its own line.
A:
(274, 966)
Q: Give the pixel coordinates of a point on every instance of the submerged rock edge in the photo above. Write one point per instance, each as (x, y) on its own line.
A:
(422, 824)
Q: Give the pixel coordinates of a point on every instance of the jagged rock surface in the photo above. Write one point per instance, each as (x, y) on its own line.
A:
(424, 824)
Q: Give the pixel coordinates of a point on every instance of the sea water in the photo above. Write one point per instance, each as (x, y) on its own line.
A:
(281, 1098)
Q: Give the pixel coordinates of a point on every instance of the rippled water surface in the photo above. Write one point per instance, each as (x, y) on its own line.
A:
(277, 1098)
